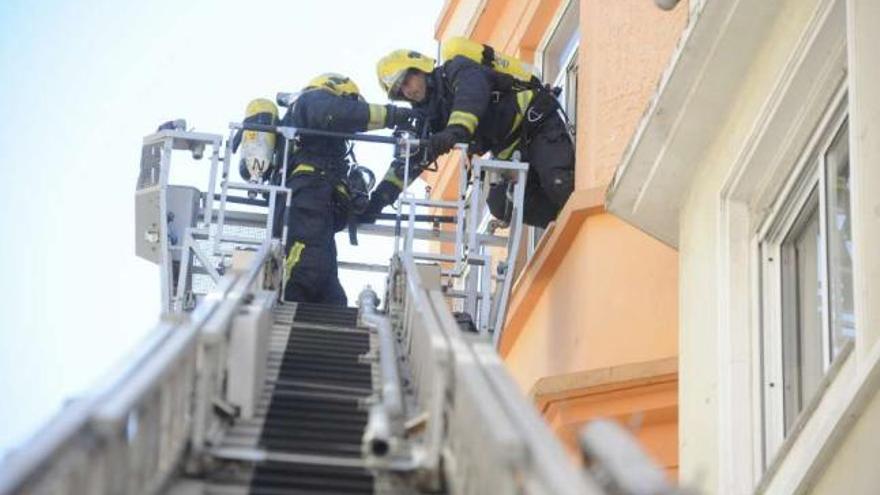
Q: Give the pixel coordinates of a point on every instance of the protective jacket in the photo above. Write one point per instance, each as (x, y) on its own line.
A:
(484, 102)
(320, 199)
(323, 110)
(501, 115)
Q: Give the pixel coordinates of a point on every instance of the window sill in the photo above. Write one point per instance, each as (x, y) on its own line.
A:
(823, 426)
(548, 256)
(557, 388)
(804, 416)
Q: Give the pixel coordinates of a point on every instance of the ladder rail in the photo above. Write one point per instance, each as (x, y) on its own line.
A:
(129, 434)
(470, 409)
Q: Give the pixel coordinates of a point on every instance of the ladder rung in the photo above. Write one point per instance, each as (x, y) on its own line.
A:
(444, 236)
(244, 186)
(362, 267)
(435, 257)
(460, 294)
(241, 240)
(435, 203)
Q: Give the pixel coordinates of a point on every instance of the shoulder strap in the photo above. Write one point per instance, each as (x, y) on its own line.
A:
(488, 56)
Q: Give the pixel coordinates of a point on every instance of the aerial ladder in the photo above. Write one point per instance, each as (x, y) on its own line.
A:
(237, 391)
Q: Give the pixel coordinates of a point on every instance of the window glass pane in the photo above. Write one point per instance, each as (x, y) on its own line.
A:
(839, 241)
(802, 292)
(567, 84)
(569, 101)
(562, 42)
(537, 234)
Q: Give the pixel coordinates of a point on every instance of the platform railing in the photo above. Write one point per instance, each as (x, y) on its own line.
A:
(200, 242)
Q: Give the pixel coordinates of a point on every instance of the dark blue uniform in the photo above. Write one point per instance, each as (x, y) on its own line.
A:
(496, 115)
(493, 113)
(317, 168)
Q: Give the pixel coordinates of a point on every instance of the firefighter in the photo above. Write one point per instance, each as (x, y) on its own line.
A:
(318, 178)
(465, 101)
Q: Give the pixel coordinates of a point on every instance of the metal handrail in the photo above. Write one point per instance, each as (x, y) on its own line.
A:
(471, 407)
(21, 463)
(385, 419)
(291, 132)
(391, 394)
(105, 412)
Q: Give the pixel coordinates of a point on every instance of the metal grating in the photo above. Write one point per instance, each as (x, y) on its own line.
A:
(306, 436)
(325, 315)
(315, 405)
(201, 282)
(283, 478)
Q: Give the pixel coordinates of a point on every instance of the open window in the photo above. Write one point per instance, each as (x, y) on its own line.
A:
(807, 283)
(558, 63)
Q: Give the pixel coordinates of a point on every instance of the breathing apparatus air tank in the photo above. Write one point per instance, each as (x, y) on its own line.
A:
(258, 148)
(486, 55)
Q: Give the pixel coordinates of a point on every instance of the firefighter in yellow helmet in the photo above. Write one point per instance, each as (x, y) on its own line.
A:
(466, 101)
(318, 176)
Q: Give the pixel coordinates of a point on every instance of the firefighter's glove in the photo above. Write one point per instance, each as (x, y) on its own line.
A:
(401, 118)
(500, 200)
(439, 144)
(384, 195)
(369, 215)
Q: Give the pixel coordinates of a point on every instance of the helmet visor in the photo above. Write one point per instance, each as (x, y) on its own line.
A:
(394, 82)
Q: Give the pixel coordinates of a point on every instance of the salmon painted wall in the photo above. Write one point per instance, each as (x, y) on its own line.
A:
(598, 294)
(648, 408)
(612, 300)
(625, 47)
(611, 297)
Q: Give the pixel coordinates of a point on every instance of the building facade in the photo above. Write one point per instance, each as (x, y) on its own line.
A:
(593, 319)
(758, 161)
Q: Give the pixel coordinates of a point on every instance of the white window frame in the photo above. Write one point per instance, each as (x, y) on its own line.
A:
(834, 53)
(813, 80)
(572, 39)
(807, 179)
(568, 59)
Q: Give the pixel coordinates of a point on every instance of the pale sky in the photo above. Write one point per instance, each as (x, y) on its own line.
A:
(81, 83)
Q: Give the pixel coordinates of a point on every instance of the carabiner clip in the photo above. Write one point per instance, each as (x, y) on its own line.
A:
(533, 116)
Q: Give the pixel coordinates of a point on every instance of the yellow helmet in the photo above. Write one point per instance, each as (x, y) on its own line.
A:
(335, 83)
(392, 69)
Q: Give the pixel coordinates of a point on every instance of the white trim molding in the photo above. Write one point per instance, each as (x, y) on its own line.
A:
(550, 33)
(809, 85)
(863, 40)
(706, 71)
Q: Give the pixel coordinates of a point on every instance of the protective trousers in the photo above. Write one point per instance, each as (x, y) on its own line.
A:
(550, 153)
(310, 266)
